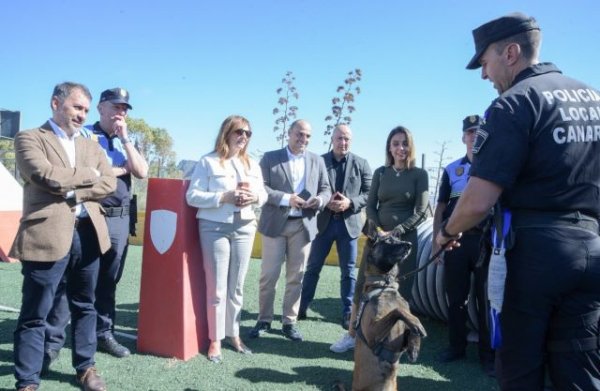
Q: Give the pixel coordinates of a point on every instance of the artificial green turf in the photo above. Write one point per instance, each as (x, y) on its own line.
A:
(277, 363)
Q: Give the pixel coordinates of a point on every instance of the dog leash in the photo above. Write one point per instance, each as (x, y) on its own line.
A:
(429, 262)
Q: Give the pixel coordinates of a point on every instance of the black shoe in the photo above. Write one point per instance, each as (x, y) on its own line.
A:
(50, 355)
(346, 321)
(259, 329)
(291, 331)
(112, 347)
(302, 314)
(450, 355)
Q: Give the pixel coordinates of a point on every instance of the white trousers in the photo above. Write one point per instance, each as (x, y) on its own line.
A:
(226, 250)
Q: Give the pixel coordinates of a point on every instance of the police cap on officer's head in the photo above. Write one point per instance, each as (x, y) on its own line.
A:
(497, 30)
(116, 95)
(472, 121)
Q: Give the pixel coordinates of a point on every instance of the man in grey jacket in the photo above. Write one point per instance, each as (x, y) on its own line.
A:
(340, 222)
(297, 186)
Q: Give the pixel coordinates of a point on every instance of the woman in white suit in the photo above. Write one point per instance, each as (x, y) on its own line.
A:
(225, 187)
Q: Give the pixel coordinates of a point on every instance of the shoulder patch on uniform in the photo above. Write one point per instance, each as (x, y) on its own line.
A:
(459, 170)
(94, 137)
(481, 137)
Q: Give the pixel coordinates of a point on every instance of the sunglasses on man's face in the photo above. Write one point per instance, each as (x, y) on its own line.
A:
(240, 132)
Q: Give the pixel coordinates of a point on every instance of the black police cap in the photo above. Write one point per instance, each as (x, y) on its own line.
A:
(498, 29)
(472, 121)
(116, 95)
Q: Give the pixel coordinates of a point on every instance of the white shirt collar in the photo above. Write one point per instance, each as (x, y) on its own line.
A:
(61, 133)
(291, 156)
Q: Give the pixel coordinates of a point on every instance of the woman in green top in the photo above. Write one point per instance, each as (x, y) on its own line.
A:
(397, 204)
(398, 198)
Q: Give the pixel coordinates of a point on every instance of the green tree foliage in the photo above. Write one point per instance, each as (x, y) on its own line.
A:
(286, 111)
(342, 105)
(156, 145)
(7, 154)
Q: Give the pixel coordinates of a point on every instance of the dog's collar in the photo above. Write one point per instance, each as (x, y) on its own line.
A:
(381, 281)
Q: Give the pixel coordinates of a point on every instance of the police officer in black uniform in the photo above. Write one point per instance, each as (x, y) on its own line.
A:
(539, 152)
(111, 134)
(464, 261)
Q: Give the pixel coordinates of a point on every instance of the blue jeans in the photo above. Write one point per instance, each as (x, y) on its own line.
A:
(347, 248)
(76, 273)
(111, 268)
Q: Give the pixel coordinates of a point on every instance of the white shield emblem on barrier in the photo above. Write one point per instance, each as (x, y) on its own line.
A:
(163, 227)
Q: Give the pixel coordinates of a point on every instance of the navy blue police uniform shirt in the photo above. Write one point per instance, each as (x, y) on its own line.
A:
(454, 181)
(117, 157)
(541, 143)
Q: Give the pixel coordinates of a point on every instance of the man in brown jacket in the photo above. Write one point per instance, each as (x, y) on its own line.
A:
(62, 233)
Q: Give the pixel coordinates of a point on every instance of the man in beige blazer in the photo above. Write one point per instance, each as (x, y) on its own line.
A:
(297, 187)
(62, 233)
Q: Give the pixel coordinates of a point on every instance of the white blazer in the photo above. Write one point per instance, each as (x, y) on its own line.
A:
(211, 179)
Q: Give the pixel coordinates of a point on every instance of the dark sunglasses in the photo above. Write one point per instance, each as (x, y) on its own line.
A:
(239, 132)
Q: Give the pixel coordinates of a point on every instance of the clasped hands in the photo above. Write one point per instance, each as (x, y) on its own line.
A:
(239, 197)
(299, 203)
(338, 203)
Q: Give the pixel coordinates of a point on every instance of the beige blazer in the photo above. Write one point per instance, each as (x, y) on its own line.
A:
(46, 229)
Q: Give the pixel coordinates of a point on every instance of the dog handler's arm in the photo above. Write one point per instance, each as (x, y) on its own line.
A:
(473, 206)
(437, 222)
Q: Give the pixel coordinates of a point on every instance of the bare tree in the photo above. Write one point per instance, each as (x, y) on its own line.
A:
(286, 111)
(436, 172)
(342, 105)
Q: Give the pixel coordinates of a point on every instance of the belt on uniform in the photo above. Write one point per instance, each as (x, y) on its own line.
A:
(116, 211)
(294, 217)
(81, 220)
(531, 218)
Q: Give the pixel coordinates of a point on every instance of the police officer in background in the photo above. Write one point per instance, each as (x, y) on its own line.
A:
(111, 134)
(539, 152)
(464, 261)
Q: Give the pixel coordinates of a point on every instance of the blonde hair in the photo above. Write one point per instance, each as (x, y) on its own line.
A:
(411, 156)
(231, 124)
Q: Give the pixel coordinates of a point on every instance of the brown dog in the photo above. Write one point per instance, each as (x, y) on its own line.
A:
(386, 327)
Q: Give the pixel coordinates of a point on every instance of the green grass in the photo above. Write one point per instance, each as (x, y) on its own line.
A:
(277, 363)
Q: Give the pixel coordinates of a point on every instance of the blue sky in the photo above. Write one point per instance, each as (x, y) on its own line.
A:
(189, 64)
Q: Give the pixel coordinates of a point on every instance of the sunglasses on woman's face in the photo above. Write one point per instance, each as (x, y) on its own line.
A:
(240, 132)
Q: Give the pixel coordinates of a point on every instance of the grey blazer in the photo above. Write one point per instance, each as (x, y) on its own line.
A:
(357, 182)
(278, 181)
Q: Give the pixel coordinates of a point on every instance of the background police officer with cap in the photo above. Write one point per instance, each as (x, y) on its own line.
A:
(112, 135)
(539, 152)
(464, 261)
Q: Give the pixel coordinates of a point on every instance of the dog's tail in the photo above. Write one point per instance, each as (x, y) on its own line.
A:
(337, 386)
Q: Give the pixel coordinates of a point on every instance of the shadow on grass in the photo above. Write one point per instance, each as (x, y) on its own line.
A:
(323, 378)
(320, 377)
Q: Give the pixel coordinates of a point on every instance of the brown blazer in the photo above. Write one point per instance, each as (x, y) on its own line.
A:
(46, 229)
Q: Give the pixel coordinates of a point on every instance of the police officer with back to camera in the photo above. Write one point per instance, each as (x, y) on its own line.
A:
(111, 134)
(539, 152)
(464, 261)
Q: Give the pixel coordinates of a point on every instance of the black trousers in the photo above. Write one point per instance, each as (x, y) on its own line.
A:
(110, 272)
(77, 273)
(553, 276)
(459, 265)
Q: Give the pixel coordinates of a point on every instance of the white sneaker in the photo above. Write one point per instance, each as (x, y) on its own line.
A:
(344, 344)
